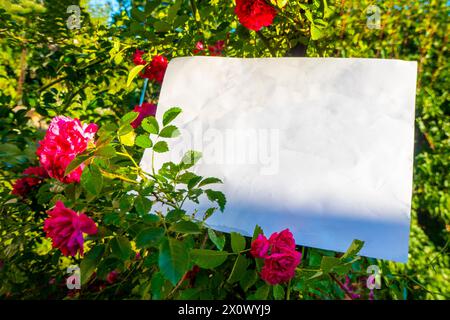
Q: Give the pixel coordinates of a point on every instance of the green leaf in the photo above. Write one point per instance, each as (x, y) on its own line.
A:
(121, 248)
(92, 179)
(193, 182)
(173, 259)
(143, 141)
(156, 284)
(316, 32)
(180, 20)
(137, 14)
(256, 232)
(328, 263)
(149, 237)
(129, 118)
(208, 259)
(90, 262)
(190, 158)
(343, 269)
(172, 13)
(248, 279)
(188, 227)
(237, 242)
(209, 212)
(186, 177)
(124, 130)
(128, 139)
(209, 180)
(239, 268)
(107, 151)
(218, 197)
(151, 218)
(76, 162)
(118, 58)
(279, 3)
(318, 274)
(150, 6)
(219, 241)
(175, 215)
(169, 132)
(133, 73)
(170, 115)
(161, 147)
(142, 205)
(161, 26)
(278, 292)
(262, 292)
(354, 248)
(150, 125)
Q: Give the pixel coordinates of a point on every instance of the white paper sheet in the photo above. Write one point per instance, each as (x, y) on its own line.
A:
(321, 146)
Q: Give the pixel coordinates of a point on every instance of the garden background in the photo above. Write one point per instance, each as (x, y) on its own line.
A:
(48, 68)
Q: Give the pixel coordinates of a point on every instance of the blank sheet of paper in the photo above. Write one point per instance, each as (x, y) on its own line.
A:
(321, 146)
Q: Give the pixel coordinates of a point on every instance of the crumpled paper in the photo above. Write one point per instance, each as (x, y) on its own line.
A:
(322, 146)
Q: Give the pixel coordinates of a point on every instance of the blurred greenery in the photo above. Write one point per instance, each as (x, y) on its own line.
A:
(48, 70)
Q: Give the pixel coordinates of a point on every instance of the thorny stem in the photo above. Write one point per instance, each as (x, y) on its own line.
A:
(344, 288)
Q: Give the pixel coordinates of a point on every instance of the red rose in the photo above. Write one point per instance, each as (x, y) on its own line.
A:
(217, 49)
(156, 69)
(260, 247)
(64, 140)
(33, 177)
(66, 227)
(254, 14)
(280, 267)
(137, 57)
(145, 110)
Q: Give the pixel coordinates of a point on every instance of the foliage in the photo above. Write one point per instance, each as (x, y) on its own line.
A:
(48, 70)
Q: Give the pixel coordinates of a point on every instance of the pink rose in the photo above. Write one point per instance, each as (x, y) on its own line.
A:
(260, 247)
(199, 47)
(280, 257)
(63, 141)
(145, 110)
(33, 177)
(66, 227)
(281, 241)
(280, 267)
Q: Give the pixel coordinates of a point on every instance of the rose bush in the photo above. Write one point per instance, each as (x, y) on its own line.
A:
(73, 193)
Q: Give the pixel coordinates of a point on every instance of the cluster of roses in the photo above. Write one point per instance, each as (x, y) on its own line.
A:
(64, 140)
(154, 71)
(279, 254)
(214, 50)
